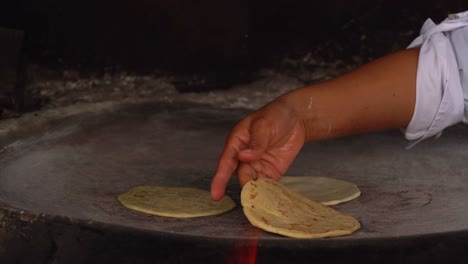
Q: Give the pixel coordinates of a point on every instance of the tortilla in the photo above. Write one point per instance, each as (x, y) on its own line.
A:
(174, 202)
(327, 191)
(272, 207)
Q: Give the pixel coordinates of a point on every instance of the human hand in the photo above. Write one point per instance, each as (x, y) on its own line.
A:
(378, 96)
(263, 144)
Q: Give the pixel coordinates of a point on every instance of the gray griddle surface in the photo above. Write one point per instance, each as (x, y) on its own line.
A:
(76, 167)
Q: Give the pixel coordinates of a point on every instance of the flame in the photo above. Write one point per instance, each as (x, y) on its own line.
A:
(245, 252)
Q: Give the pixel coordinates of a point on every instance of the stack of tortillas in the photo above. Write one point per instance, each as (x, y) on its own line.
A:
(272, 207)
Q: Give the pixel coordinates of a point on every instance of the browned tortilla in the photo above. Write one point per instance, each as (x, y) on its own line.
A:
(272, 207)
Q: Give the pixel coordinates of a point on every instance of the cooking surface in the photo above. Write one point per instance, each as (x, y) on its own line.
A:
(77, 166)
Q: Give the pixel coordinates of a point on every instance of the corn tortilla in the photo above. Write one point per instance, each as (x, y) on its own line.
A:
(174, 202)
(325, 190)
(272, 207)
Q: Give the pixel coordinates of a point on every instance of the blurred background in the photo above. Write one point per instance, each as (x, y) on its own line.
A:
(192, 46)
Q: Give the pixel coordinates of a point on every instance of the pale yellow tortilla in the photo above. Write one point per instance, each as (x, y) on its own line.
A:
(174, 202)
(327, 191)
(272, 207)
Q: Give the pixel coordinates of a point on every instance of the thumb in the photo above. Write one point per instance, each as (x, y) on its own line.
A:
(260, 135)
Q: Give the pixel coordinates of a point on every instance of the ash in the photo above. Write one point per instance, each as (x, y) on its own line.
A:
(69, 87)
(57, 94)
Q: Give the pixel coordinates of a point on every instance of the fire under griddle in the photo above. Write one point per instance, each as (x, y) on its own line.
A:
(59, 178)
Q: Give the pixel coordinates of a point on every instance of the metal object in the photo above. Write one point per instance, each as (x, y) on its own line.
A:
(58, 188)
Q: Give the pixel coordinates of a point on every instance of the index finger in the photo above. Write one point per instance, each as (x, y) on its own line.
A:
(227, 164)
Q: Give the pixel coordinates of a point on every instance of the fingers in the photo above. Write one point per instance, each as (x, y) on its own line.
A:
(226, 166)
(218, 187)
(227, 163)
(245, 173)
(255, 170)
(253, 138)
(260, 135)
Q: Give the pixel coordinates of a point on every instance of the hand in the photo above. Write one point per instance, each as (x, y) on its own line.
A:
(263, 144)
(378, 96)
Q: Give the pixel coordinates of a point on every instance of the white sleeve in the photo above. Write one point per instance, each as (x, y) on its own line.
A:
(459, 40)
(439, 92)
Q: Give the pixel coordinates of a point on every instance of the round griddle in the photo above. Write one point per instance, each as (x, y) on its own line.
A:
(65, 174)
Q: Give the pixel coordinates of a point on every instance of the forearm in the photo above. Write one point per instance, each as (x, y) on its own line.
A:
(375, 97)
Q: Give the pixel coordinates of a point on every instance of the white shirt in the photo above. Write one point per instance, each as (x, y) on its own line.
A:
(442, 77)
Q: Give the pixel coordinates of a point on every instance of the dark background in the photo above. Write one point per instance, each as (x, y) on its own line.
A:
(212, 35)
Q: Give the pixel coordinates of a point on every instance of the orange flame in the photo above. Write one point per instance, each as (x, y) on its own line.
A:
(245, 252)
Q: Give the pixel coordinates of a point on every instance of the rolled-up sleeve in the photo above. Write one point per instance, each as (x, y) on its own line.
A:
(441, 83)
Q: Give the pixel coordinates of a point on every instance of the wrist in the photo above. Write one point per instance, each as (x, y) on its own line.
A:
(301, 103)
